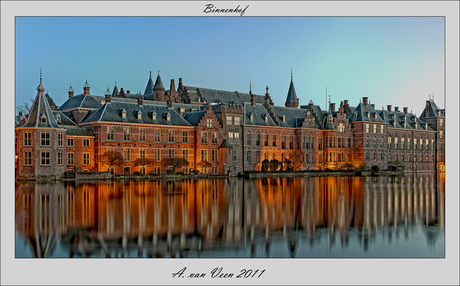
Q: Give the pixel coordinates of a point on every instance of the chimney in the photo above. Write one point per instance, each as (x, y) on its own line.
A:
(86, 88)
(122, 93)
(140, 101)
(253, 99)
(365, 101)
(71, 92)
(169, 103)
(405, 110)
(332, 107)
(373, 106)
(397, 108)
(389, 107)
(345, 103)
(128, 92)
(172, 87)
(180, 80)
(108, 97)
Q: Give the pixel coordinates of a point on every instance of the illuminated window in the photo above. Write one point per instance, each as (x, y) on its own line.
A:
(367, 128)
(341, 127)
(214, 137)
(209, 123)
(204, 137)
(237, 120)
(381, 128)
(236, 135)
(229, 120)
(110, 133)
(142, 134)
(375, 128)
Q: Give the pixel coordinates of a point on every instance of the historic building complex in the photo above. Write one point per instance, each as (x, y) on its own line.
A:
(219, 132)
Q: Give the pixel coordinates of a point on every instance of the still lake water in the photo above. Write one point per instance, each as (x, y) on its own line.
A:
(320, 217)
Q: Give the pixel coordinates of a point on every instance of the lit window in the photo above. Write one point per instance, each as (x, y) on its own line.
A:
(229, 120)
(237, 121)
(375, 128)
(230, 137)
(381, 128)
(109, 133)
(209, 123)
(141, 134)
(204, 137)
(367, 128)
(214, 137)
(139, 115)
(341, 127)
(237, 137)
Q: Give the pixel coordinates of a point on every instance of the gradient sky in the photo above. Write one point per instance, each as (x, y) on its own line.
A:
(392, 60)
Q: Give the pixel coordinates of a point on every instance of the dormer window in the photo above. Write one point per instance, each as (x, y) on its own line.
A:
(415, 124)
(251, 116)
(366, 113)
(139, 115)
(58, 118)
(43, 119)
(356, 114)
(375, 115)
(154, 115)
(123, 113)
(182, 111)
(283, 118)
(168, 116)
(266, 117)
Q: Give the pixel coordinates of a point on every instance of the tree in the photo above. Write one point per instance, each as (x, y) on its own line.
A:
(274, 165)
(25, 107)
(348, 166)
(265, 165)
(397, 165)
(375, 169)
(111, 159)
(203, 164)
(143, 162)
(174, 163)
(295, 160)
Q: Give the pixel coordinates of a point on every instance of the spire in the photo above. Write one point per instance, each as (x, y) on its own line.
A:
(159, 83)
(250, 87)
(115, 92)
(149, 87)
(40, 87)
(291, 99)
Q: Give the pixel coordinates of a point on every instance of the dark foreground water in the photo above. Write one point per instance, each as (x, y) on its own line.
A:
(320, 217)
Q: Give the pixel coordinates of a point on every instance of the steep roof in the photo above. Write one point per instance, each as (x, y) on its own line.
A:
(81, 101)
(292, 114)
(197, 94)
(365, 113)
(258, 113)
(112, 112)
(194, 117)
(149, 87)
(431, 110)
(396, 119)
(41, 110)
(291, 96)
(158, 83)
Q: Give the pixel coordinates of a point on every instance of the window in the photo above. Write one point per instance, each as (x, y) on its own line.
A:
(142, 134)
(209, 122)
(440, 122)
(266, 155)
(154, 116)
(204, 137)
(349, 142)
(415, 144)
(141, 153)
(230, 137)
(45, 158)
(291, 142)
(408, 143)
(248, 139)
(27, 139)
(229, 120)
(85, 159)
(85, 142)
(109, 133)
(185, 154)
(204, 155)
(367, 142)
(320, 143)
(156, 154)
(266, 140)
(274, 140)
(375, 128)
(367, 128)
(283, 142)
(45, 138)
(70, 158)
(156, 135)
(28, 158)
(171, 135)
(396, 143)
(214, 155)
(381, 128)
(127, 154)
(171, 153)
(375, 142)
(432, 144)
(375, 157)
(234, 155)
(214, 138)
(330, 142)
(307, 142)
(70, 142)
(257, 156)
(249, 154)
(382, 157)
(184, 136)
(440, 134)
(126, 133)
(426, 144)
(341, 127)
(257, 139)
(402, 143)
(237, 121)
(389, 142)
(60, 158)
(421, 144)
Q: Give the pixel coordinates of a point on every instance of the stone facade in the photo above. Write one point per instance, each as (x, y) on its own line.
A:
(220, 132)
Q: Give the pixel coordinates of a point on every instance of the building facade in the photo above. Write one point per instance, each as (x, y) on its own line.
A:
(220, 132)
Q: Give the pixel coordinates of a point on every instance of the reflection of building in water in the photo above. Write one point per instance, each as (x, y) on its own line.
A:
(193, 217)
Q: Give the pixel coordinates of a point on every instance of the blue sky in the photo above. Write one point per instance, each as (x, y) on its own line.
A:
(392, 60)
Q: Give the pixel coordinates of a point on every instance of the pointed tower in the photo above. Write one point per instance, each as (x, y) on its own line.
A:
(148, 93)
(159, 89)
(292, 100)
(40, 147)
(115, 92)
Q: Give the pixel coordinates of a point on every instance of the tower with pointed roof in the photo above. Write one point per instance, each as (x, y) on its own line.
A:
(291, 99)
(158, 89)
(42, 150)
(435, 118)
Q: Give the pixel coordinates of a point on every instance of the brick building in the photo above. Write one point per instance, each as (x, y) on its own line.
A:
(219, 132)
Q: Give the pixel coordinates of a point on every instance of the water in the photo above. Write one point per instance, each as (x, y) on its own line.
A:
(321, 217)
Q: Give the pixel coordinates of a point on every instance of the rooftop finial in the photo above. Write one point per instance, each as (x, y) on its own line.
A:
(150, 74)
(40, 75)
(291, 74)
(250, 86)
(158, 72)
(115, 84)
